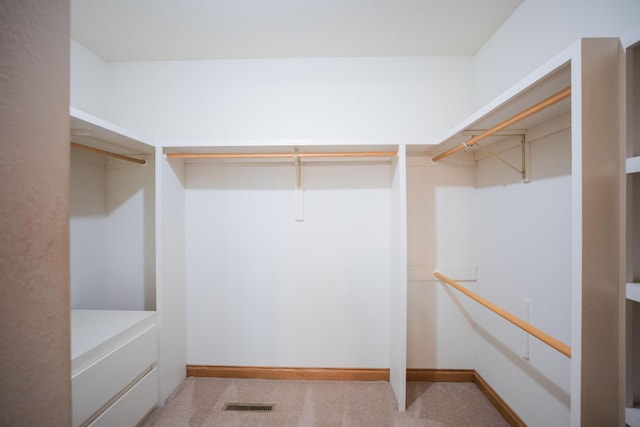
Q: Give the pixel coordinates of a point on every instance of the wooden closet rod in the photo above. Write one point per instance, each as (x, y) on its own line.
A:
(108, 153)
(280, 155)
(527, 327)
(546, 103)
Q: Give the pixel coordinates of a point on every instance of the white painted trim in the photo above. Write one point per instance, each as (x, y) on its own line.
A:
(633, 292)
(170, 275)
(285, 142)
(633, 164)
(398, 285)
(632, 417)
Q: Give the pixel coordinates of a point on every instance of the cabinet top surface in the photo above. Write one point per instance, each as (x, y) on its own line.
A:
(91, 328)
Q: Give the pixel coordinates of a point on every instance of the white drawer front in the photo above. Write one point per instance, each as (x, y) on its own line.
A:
(93, 387)
(133, 405)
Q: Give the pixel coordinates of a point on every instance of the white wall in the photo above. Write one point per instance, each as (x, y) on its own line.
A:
(89, 81)
(539, 29)
(265, 290)
(524, 253)
(441, 236)
(35, 385)
(412, 99)
(130, 243)
(87, 229)
(398, 99)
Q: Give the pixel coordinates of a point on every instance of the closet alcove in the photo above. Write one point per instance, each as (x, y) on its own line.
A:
(283, 262)
(530, 221)
(112, 217)
(112, 265)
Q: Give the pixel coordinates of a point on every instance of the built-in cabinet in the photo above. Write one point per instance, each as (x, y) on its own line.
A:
(114, 379)
(114, 344)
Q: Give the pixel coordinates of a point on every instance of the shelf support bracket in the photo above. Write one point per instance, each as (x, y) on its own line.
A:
(298, 194)
(525, 167)
(298, 164)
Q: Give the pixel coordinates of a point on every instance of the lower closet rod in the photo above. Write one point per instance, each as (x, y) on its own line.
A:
(280, 155)
(527, 327)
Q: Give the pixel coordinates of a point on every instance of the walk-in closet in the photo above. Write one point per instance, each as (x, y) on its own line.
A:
(401, 198)
(339, 256)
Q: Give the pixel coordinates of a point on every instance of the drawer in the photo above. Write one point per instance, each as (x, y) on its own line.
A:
(100, 382)
(131, 407)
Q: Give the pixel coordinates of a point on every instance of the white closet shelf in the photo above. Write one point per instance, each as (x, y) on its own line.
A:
(632, 417)
(633, 164)
(549, 79)
(633, 292)
(95, 132)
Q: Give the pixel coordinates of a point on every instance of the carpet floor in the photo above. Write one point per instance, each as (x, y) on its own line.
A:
(200, 402)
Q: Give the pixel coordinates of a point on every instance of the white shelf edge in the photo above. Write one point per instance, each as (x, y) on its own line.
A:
(103, 131)
(632, 417)
(633, 292)
(633, 164)
(284, 143)
(97, 121)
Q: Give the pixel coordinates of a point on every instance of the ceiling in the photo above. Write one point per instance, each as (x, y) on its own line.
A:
(141, 30)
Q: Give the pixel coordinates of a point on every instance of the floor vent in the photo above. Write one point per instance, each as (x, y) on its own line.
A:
(249, 407)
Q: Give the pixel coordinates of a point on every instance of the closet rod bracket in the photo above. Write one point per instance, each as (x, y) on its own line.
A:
(525, 167)
(298, 164)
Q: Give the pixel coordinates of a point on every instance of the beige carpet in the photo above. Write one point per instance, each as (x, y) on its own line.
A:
(200, 402)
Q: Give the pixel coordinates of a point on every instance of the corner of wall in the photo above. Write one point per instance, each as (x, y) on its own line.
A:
(88, 83)
(539, 29)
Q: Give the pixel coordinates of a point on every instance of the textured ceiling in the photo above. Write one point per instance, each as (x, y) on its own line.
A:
(131, 30)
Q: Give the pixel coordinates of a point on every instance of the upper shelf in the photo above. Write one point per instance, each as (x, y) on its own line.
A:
(633, 164)
(546, 81)
(633, 292)
(97, 133)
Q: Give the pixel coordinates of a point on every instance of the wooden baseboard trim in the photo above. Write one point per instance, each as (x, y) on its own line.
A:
(507, 413)
(441, 375)
(277, 373)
